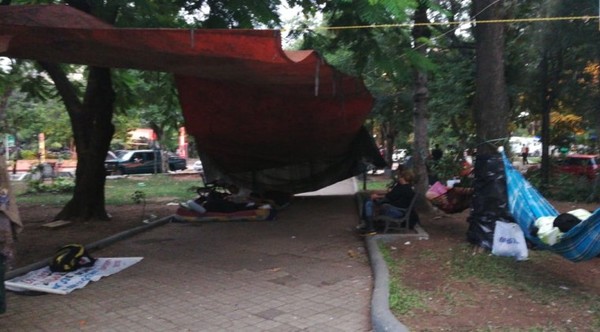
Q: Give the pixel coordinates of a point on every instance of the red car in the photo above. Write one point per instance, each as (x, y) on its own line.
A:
(580, 164)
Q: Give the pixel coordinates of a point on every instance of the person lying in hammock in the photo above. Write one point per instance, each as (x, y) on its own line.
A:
(550, 229)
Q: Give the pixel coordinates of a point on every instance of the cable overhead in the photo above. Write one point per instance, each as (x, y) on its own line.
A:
(512, 20)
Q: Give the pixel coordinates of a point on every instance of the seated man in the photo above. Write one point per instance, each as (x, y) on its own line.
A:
(392, 203)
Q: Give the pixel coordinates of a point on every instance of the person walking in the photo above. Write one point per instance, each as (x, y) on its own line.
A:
(525, 154)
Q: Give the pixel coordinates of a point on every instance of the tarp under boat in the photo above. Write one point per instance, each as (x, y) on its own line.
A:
(262, 117)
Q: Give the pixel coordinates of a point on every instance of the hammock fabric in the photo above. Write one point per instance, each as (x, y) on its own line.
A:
(526, 205)
(454, 200)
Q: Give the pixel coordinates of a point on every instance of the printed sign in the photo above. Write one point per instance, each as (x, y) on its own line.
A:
(44, 280)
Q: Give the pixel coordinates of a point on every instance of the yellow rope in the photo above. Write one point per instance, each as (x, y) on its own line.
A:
(512, 20)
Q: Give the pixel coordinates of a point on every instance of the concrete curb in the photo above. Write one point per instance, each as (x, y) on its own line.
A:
(92, 246)
(382, 318)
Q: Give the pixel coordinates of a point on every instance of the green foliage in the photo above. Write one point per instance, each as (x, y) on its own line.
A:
(158, 187)
(235, 13)
(28, 154)
(566, 187)
(446, 168)
(378, 182)
(463, 268)
(138, 197)
(26, 117)
(549, 62)
(452, 91)
(54, 186)
(506, 271)
(402, 299)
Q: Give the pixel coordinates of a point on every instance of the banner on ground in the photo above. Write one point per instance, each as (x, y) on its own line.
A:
(44, 280)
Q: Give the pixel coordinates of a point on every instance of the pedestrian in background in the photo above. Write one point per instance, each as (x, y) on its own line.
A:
(525, 154)
(436, 153)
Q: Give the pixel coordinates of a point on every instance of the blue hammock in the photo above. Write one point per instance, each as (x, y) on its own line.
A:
(526, 205)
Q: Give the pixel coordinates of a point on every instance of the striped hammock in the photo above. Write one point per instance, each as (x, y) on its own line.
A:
(526, 204)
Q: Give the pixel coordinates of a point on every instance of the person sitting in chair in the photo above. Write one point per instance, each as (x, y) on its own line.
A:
(392, 203)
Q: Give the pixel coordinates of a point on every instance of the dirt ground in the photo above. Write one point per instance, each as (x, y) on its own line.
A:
(544, 293)
(570, 300)
(37, 242)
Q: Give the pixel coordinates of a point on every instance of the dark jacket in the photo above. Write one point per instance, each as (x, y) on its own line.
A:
(401, 196)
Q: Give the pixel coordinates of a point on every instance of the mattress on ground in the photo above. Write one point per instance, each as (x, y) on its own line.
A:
(184, 214)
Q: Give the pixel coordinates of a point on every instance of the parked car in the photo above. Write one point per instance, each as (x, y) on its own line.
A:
(580, 164)
(176, 163)
(110, 156)
(142, 161)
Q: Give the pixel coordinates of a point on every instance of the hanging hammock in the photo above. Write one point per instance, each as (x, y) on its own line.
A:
(450, 200)
(526, 205)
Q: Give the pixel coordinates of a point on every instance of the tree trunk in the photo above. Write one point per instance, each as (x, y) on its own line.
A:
(388, 136)
(491, 121)
(546, 103)
(93, 131)
(420, 98)
(491, 99)
(551, 66)
(11, 210)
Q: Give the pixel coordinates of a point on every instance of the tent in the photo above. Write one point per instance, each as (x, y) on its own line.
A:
(262, 117)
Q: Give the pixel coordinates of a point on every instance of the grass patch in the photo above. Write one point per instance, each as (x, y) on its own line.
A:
(527, 277)
(377, 183)
(402, 300)
(504, 272)
(155, 187)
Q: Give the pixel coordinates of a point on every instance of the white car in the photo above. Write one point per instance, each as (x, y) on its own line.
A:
(198, 166)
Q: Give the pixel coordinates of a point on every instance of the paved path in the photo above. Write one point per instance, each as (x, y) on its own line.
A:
(306, 271)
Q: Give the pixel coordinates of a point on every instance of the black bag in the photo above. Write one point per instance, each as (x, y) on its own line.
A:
(70, 258)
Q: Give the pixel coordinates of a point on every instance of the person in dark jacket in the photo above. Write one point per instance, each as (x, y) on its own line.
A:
(392, 203)
(437, 153)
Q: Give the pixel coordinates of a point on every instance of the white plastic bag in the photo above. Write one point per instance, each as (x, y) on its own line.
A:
(509, 241)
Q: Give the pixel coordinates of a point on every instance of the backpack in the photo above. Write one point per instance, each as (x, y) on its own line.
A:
(70, 258)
